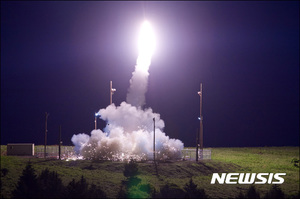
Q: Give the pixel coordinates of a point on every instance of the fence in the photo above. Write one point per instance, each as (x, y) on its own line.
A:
(190, 154)
(68, 151)
(52, 151)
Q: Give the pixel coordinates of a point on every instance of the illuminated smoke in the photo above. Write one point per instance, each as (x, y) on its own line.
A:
(129, 130)
(128, 134)
(138, 88)
(139, 80)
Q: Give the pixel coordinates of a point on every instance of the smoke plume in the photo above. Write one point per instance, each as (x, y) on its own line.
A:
(129, 131)
(138, 88)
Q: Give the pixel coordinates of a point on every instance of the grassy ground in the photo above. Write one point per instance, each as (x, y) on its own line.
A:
(109, 175)
(262, 160)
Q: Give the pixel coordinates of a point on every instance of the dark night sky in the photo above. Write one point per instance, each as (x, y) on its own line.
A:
(59, 57)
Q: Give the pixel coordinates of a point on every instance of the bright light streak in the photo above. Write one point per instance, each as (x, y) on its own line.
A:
(146, 45)
(146, 40)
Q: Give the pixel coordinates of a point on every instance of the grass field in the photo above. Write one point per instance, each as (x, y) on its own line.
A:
(109, 175)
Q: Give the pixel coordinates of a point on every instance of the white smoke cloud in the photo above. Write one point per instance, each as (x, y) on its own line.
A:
(130, 118)
(128, 134)
(130, 129)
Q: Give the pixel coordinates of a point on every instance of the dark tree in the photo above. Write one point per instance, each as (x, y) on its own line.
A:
(27, 186)
(122, 192)
(191, 190)
(4, 172)
(77, 189)
(252, 192)
(154, 193)
(96, 192)
(50, 184)
(295, 196)
(275, 192)
(240, 196)
(131, 168)
(81, 189)
(171, 190)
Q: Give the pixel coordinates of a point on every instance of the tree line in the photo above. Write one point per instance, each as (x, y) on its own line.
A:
(49, 185)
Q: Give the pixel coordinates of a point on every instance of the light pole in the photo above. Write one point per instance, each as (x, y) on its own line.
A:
(197, 143)
(112, 90)
(96, 115)
(154, 139)
(46, 130)
(200, 93)
(60, 142)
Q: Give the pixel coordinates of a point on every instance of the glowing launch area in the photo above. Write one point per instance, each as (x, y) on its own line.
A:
(129, 131)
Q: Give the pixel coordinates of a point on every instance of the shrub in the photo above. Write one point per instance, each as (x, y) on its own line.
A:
(295, 161)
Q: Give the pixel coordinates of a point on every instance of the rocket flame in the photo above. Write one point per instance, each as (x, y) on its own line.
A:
(146, 46)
